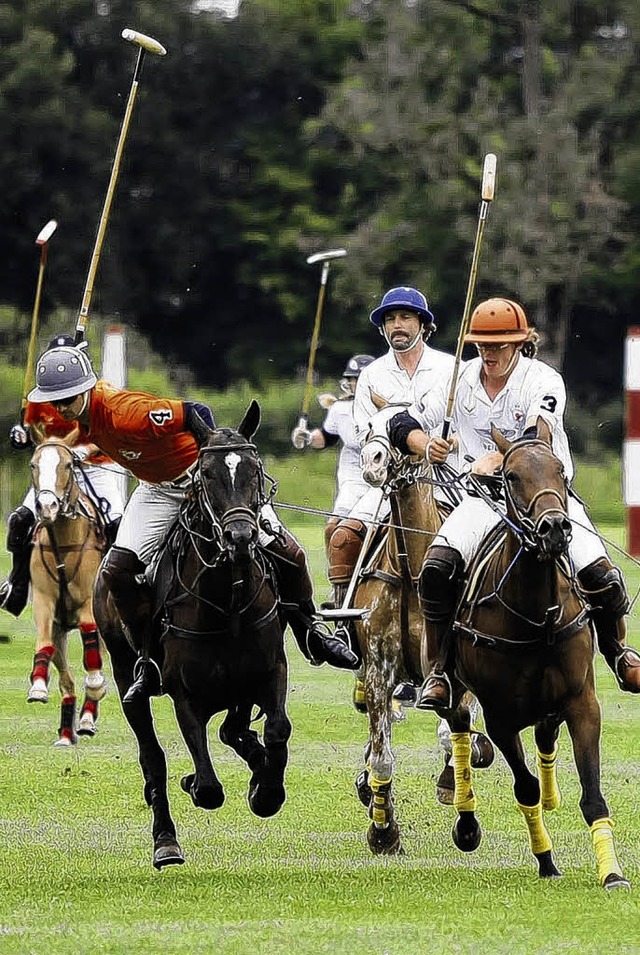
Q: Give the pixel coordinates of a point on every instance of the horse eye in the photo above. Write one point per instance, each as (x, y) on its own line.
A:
(511, 477)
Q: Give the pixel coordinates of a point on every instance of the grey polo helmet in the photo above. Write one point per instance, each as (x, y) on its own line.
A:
(356, 364)
(62, 372)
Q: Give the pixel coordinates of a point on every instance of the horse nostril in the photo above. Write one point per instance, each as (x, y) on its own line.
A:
(544, 527)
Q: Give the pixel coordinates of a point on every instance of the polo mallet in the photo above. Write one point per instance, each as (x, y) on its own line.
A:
(43, 241)
(488, 187)
(326, 259)
(146, 44)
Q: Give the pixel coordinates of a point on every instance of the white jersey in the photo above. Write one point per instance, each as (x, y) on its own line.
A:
(533, 388)
(350, 485)
(384, 377)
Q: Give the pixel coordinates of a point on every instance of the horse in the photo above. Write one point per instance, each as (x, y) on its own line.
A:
(522, 643)
(68, 544)
(390, 631)
(219, 626)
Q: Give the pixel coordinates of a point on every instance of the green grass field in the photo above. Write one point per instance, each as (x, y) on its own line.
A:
(76, 873)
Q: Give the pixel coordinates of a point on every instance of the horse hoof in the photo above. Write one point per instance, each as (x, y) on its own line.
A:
(482, 751)
(615, 881)
(265, 802)
(95, 685)
(385, 841)
(547, 867)
(169, 854)
(466, 832)
(445, 786)
(65, 740)
(365, 794)
(87, 726)
(38, 692)
(204, 797)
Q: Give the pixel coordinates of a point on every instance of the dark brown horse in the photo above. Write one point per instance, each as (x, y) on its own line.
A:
(221, 636)
(390, 634)
(524, 647)
(69, 542)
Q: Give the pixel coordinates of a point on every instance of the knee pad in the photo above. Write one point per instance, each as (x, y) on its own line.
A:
(329, 528)
(19, 528)
(439, 583)
(604, 587)
(344, 548)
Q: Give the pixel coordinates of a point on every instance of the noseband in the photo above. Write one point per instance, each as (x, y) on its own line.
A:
(221, 523)
(64, 500)
(530, 528)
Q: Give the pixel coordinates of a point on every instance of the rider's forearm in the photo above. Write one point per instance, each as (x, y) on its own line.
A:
(417, 442)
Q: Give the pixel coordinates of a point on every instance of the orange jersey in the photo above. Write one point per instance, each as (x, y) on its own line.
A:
(54, 425)
(143, 433)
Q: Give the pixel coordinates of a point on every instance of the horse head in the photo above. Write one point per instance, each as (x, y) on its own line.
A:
(376, 455)
(536, 490)
(230, 479)
(53, 476)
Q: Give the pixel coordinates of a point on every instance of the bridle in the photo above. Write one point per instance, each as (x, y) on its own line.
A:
(531, 529)
(232, 515)
(65, 504)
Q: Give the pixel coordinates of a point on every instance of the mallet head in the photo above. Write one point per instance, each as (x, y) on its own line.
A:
(326, 256)
(146, 42)
(489, 177)
(45, 234)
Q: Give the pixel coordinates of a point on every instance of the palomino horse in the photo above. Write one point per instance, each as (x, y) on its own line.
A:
(221, 638)
(390, 633)
(69, 542)
(525, 648)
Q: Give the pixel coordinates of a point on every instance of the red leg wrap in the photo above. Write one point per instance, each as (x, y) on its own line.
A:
(91, 659)
(90, 706)
(41, 661)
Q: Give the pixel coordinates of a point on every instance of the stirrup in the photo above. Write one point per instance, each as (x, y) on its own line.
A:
(426, 702)
(147, 681)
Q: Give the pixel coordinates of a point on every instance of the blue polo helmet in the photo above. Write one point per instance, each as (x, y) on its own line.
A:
(402, 297)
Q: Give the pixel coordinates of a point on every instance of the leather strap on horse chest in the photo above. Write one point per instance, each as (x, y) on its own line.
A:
(504, 644)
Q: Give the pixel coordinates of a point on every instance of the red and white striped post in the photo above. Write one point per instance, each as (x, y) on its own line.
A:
(631, 450)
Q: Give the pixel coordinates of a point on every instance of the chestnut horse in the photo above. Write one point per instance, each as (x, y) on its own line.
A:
(524, 647)
(218, 625)
(390, 633)
(69, 542)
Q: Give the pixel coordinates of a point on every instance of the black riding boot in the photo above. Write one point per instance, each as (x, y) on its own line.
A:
(123, 570)
(111, 531)
(603, 587)
(343, 629)
(14, 592)
(439, 586)
(315, 640)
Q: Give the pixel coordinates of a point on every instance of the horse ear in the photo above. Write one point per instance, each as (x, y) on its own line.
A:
(37, 433)
(251, 421)
(501, 443)
(543, 431)
(378, 400)
(71, 439)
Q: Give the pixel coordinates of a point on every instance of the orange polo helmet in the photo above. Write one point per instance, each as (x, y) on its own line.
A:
(498, 320)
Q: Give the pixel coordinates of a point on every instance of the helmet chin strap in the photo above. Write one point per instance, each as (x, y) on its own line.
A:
(405, 348)
(85, 399)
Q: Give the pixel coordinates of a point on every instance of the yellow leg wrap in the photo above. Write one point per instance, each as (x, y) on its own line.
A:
(464, 799)
(539, 838)
(359, 698)
(602, 835)
(380, 801)
(548, 779)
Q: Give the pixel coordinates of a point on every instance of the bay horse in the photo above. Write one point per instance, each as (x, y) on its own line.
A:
(524, 646)
(68, 544)
(390, 632)
(218, 624)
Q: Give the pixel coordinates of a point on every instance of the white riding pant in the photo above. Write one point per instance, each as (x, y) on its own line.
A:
(366, 507)
(350, 493)
(472, 519)
(106, 482)
(152, 510)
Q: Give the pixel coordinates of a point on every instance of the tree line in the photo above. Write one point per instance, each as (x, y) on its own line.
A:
(302, 125)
